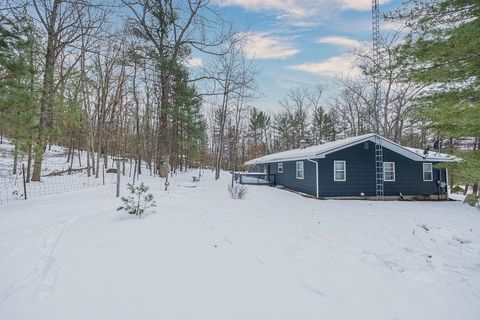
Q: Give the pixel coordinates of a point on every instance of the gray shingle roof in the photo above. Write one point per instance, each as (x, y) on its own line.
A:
(319, 151)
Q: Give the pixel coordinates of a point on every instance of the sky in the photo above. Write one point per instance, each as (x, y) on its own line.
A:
(298, 43)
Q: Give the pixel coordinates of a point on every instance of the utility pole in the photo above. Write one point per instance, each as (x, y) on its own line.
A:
(376, 58)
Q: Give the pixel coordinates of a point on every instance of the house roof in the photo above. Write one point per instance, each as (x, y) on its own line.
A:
(321, 150)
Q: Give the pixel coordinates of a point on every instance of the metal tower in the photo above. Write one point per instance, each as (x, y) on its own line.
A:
(376, 58)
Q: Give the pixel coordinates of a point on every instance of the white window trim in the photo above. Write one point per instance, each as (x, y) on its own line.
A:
(394, 174)
(280, 167)
(296, 170)
(344, 170)
(431, 171)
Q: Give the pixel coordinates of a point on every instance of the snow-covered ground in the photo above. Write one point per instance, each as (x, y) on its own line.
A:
(201, 255)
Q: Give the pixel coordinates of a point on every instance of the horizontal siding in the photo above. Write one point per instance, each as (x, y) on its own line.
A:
(288, 177)
(360, 164)
(360, 174)
(409, 177)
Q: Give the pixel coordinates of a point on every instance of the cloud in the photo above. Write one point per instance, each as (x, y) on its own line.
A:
(359, 5)
(334, 66)
(301, 8)
(340, 41)
(392, 25)
(262, 45)
(195, 62)
(296, 8)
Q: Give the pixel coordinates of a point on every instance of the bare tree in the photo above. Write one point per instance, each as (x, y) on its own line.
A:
(174, 29)
(297, 106)
(397, 93)
(64, 23)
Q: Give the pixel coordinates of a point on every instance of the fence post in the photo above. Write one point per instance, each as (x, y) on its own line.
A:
(24, 182)
(166, 182)
(118, 178)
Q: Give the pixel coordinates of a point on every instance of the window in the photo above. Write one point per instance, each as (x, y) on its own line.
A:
(340, 171)
(280, 167)
(299, 170)
(389, 171)
(427, 172)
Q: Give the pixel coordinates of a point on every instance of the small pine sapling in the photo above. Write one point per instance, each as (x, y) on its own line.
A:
(138, 201)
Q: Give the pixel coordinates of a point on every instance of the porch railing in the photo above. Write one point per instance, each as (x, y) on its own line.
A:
(255, 178)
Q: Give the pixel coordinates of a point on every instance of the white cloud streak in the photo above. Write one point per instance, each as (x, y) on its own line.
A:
(195, 62)
(335, 66)
(340, 41)
(262, 45)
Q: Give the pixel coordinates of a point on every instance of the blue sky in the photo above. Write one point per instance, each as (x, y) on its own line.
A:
(302, 42)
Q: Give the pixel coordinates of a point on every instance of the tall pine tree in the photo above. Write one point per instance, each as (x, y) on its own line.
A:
(442, 51)
(18, 76)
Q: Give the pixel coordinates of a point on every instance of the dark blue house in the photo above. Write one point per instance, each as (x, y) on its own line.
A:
(350, 168)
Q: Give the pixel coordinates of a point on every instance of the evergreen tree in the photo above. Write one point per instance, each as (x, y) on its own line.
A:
(441, 51)
(318, 119)
(18, 48)
(189, 123)
(138, 201)
(259, 122)
(327, 130)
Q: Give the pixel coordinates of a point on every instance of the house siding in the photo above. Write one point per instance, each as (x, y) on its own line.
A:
(409, 177)
(289, 180)
(360, 164)
(360, 174)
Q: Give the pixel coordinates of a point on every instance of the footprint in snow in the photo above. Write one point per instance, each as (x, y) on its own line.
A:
(462, 240)
(259, 260)
(312, 289)
(227, 240)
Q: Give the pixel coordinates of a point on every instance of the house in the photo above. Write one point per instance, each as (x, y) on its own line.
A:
(348, 169)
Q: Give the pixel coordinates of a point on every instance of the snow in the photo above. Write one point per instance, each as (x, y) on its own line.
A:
(456, 196)
(201, 255)
(323, 149)
(432, 155)
(55, 159)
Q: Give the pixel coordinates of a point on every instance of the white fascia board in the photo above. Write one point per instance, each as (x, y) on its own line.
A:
(250, 162)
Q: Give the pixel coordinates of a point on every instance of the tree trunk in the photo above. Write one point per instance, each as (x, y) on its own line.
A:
(15, 157)
(29, 160)
(48, 94)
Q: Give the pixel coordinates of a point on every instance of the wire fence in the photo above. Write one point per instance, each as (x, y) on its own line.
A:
(12, 187)
(55, 177)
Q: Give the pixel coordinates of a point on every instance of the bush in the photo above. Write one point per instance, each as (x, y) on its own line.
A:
(471, 199)
(138, 201)
(457, 189)
(237, 191)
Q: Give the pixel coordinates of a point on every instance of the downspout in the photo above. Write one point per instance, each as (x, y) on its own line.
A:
(316, 170)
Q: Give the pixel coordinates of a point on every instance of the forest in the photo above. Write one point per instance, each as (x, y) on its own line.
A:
(120, 80)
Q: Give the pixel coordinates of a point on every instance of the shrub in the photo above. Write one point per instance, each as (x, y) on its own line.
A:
(471, 199)
(237, 191)
(138, 201)
(457, 189)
